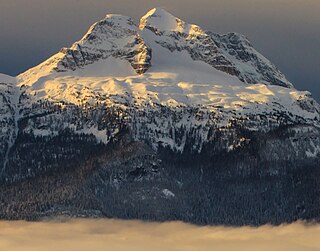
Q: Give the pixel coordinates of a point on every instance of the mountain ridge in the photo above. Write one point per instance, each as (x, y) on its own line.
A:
(219, 60)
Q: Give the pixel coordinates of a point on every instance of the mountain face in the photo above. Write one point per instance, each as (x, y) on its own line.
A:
(158, 121)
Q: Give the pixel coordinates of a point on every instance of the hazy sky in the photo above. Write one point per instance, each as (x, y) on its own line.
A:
(115, 235)
(285, 31)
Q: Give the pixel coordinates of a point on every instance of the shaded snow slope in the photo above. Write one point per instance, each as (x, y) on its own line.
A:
(9, 115)
(7, 79)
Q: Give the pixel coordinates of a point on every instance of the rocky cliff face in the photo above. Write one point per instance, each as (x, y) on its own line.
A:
(239, 50)
(163, 121)
(115, 36)
(231, 53)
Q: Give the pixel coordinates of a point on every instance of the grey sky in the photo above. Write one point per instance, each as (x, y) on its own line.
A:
(285, 31)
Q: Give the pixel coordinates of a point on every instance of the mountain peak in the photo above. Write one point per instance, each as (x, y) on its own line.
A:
(119, 20)
(159, 13)
(117, 37)
(159, 21)
(158, 18)
(110, 21)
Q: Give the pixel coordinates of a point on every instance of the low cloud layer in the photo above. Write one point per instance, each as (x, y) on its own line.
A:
(116, 235)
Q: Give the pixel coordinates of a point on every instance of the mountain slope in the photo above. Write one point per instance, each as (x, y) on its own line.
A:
(162, 115)
(99, 69)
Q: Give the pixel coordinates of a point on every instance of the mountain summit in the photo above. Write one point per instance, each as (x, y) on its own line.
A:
(117, 36)
(160, 20)
(160, 120)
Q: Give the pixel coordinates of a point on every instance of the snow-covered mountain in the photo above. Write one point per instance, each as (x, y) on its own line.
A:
(138, 102)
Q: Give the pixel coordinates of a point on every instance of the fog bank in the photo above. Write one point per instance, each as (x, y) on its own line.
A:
(116, 235)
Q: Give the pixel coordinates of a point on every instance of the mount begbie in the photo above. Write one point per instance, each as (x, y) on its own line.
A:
(158, 121)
